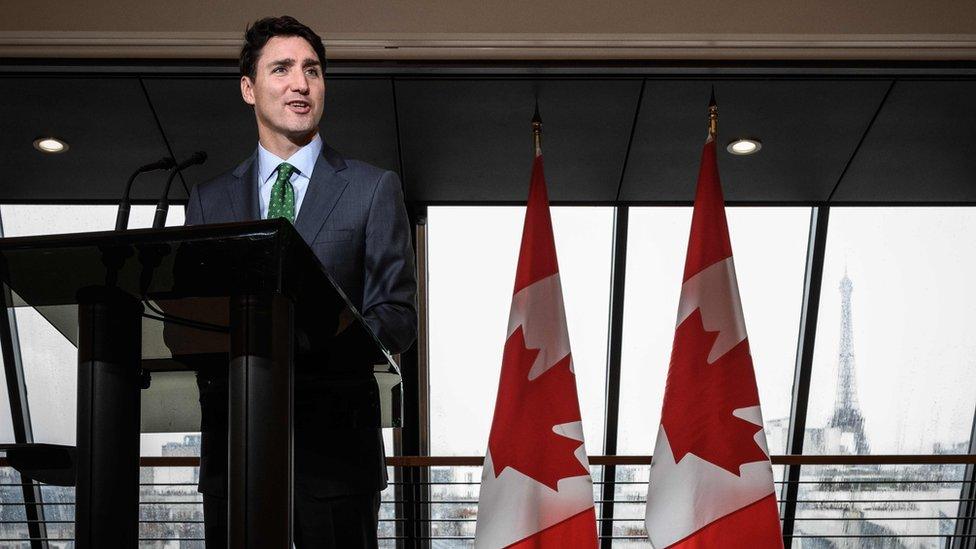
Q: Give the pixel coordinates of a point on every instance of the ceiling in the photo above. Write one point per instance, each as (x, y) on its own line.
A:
(503, 29)
(465, 138)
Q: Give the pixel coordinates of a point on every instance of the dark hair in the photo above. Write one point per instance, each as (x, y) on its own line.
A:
(258, 34)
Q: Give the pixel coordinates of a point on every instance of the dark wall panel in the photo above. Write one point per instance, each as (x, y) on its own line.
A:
(106, 122)
(208, 114)
(469, 140)
(808, 128)
(921, 148)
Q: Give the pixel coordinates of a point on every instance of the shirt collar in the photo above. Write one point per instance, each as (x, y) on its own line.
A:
(303, 160)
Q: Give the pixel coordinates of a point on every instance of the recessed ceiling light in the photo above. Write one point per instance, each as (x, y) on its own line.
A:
(50, 145)
(744, 146)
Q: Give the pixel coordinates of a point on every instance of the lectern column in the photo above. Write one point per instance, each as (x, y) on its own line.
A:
(260, 422)
(109, 359)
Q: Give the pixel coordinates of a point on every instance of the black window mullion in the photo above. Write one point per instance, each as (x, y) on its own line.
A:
(614, 346)
(20, 413)
(816, 249)
(967, 501)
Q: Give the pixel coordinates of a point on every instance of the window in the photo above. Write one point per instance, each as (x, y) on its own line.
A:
(6, 418)
(893, 360)
(769, 246)
(892, 371)
(473, 252)
(49, 359)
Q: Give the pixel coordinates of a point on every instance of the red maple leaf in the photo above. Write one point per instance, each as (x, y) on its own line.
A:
(525, 413)
(700, 397)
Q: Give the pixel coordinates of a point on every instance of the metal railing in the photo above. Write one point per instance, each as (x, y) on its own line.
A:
(867, 501)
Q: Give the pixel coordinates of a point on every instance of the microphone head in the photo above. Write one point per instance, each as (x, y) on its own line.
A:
(196, 158)
(164, 163)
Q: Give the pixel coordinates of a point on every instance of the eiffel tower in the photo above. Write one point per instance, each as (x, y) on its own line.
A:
(847, 417)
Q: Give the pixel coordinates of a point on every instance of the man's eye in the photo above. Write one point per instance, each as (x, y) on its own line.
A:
(313, 72)
(278, 69)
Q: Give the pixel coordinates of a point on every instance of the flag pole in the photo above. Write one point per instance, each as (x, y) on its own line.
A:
(712, 116)
(537, 130)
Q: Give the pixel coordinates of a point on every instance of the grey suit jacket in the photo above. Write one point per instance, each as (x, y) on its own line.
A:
(354, 219)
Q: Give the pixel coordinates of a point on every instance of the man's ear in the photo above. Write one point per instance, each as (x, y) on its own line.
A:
(247, 90)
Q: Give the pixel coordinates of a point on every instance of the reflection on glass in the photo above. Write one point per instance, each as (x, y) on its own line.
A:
(769, 246)
(892, 506)
(472, 258)
(386, 531)
(13, 523)
(454, 504)
(630, 496)
(48, 358)
(892, 371)
(6, 416)
(894, 356)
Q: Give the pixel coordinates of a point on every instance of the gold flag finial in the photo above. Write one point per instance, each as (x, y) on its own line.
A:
(712, 116)
(537, 130)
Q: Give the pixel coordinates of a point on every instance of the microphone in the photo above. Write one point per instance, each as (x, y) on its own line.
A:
(122, 217)
(162, 207)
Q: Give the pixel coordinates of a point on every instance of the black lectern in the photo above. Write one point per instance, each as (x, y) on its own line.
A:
(146, 300)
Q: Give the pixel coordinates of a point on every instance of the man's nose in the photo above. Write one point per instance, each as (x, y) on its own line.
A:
(300, 83)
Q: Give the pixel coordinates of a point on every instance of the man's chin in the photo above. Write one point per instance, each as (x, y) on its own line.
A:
(300, 134)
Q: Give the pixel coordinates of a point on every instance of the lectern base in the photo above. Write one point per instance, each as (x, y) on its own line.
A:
(109, 360)
(260, 466)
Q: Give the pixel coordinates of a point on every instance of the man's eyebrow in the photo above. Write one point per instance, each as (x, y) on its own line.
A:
(288, 62)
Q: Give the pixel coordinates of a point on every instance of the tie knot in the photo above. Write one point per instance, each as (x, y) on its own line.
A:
(284, 171)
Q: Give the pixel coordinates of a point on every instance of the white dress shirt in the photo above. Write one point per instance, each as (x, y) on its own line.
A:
(304, 162)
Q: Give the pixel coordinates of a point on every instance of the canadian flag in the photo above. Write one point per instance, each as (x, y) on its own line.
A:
(711, 481)
(536, 490)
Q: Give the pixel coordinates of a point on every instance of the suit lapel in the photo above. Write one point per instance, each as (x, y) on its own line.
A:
(243, 193)
(324, 190)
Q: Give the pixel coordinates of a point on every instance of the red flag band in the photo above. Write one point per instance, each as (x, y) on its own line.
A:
(711, 481)
(536, 490)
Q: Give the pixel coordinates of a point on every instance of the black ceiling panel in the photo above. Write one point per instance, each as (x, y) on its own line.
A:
(106, 122)
(808, 129)
(471, 140)
(921, 148)
(208, 114)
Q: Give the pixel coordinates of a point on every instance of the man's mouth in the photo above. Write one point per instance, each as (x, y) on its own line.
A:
(299, 107)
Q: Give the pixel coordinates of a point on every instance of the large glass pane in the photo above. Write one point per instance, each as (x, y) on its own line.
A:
(893, 366)
(630, 498)
(472, 258)
(48, 357)
(892, 374)
(878, 506)
(769, 246)
(13, 520)
(6, 418)
(171, 509)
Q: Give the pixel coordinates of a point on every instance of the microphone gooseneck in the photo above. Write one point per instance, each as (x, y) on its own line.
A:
(162, 207)
(122, 217)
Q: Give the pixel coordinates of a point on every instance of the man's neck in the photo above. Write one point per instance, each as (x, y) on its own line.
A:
(283, 146)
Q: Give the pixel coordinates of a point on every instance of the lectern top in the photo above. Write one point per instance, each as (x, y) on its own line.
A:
(179, 272)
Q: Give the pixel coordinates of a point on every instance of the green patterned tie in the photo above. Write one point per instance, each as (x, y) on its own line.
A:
(283, 194)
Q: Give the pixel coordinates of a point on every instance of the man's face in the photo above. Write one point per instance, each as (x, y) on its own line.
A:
(288, 88)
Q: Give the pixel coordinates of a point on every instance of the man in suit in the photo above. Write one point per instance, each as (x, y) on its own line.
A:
(353, 217)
